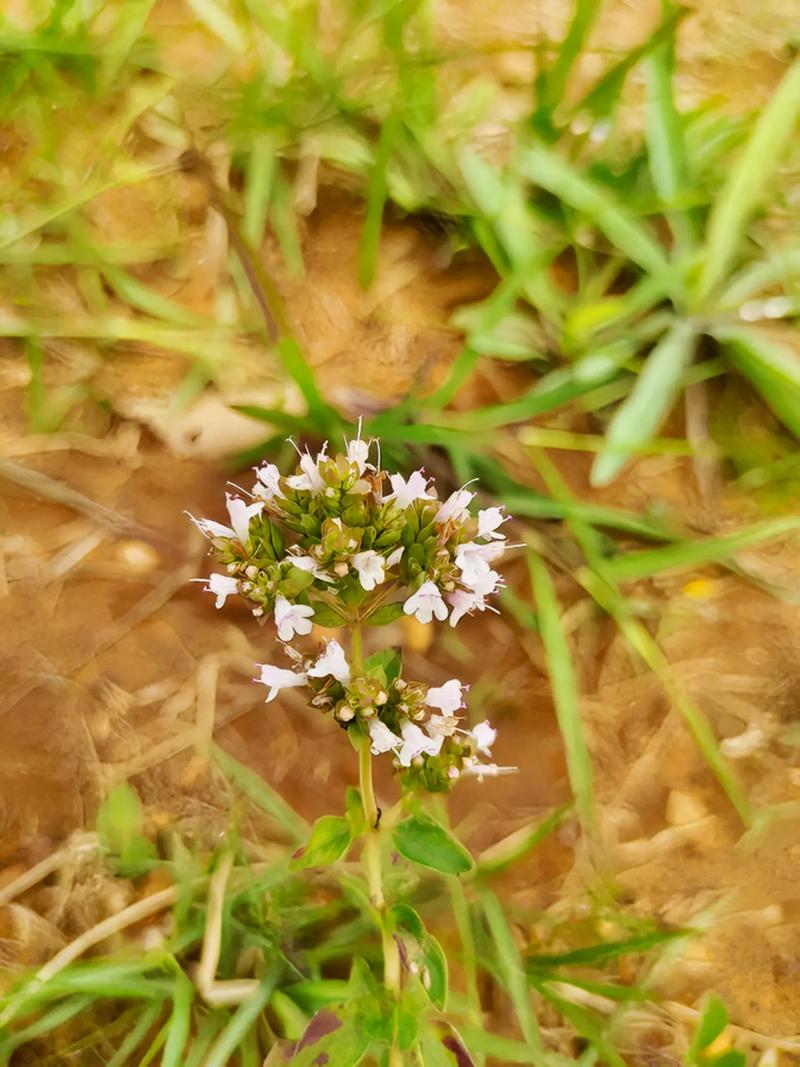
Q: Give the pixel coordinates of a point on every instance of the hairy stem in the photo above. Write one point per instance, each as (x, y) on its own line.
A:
(372, 850)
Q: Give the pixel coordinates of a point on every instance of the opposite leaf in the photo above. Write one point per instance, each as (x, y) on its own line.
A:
(330, 839)
(422, 840)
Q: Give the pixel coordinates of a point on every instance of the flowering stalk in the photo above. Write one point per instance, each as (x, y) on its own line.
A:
(329, 546)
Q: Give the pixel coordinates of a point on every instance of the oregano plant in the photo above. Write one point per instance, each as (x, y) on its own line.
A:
(345, 545)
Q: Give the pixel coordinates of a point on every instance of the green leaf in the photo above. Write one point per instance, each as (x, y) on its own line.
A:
(424, 841)
(323, 415)
(772, 368)
(385, 614)
(666, 147)
(633, 566)
(376, 199)
(587, 1025)
(330, 839)
(324, 615)
(179, 1023)
(565, 689)
(711, 1024)
(244, 1019)
(119, 824)
(512, 973)
(601, 99)
(547, 169)
(331, 1038)
(649, 403)
(553, 83)
(260, 793)
(605, 950)
(749, 181)
(424, 952)
(120, 817)
(387, 662)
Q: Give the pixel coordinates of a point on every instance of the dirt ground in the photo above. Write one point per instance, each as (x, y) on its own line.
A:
(114, 665)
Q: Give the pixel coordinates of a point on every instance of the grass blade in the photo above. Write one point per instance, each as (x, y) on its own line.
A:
(649, 403)
(258, 190)
(666, 148)
(781, 268)
(243, 1019)
(519, 843)
(263, 795)
(747, 183)
(513, 974)
(376, 199)
(634, 566)
(546, 169)
(640, 641)
(145, 1022)
(609, 598)
(179, 1023)
(772, 368)
(553, 83)
(602, 97)
(565, 689)
(592, 1029)
(605, 950)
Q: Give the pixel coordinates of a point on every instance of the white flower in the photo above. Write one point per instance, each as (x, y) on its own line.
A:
(404, 493)
(465, 601)
(370, 568)
(308, 563)
(415, 742)
(455, 507)
(292, 619)
(395, 556)
(210, 528)
(486, 770)
(222, 586)
(447, 698)
(241, 513)
(332, 662)
(441, 725)
(268, 484)
(426, 603)
(474, 559)
(489, 519)
(484, 736)
(277, 678)
(310, 478)
(358, 453)
(383, 740)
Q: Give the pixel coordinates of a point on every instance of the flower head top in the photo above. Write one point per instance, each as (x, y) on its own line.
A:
(331, 544)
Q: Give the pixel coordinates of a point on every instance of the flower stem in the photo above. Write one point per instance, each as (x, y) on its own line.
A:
(392, 978)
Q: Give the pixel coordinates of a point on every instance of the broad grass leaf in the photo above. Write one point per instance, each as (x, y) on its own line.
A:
(422, 840)
(649, 403)
(749, 180)
(772, 368)
(544, 167)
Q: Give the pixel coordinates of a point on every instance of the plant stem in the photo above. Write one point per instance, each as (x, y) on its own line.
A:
(372, 850)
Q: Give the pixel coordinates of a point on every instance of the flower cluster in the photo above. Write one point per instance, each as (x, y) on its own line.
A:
(334, 545)
(418, 724)
(353, 546)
